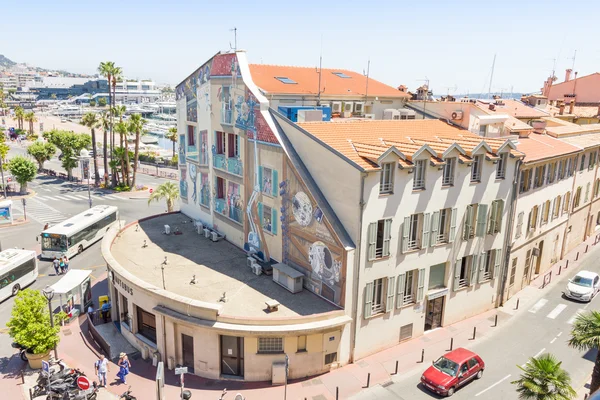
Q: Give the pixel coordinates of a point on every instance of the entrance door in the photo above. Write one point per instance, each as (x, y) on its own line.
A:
(187, 350)
(435, 310)
(117, 320)
(232, 356)
(538, 261)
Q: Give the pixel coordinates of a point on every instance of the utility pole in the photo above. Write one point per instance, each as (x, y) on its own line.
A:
(2, 173)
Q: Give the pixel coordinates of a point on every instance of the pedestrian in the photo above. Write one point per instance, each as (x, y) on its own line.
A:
(90, 311)
(105, 310)
(56, 265)
(102, 367)
(63, 269)
(66, 262)
(124, 366)
(46, 226)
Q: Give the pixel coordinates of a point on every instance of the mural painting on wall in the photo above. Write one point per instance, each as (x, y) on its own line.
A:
(191, 107)
(190, 85)
(225, 65)
(192, 144)
(204, 190)
(246, 107)
(311, 246)
(194, 179)
(182, 147)
(203, 158)
(234, 202)
(183, 185)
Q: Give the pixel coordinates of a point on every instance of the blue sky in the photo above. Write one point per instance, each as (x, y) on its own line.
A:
(452, 43)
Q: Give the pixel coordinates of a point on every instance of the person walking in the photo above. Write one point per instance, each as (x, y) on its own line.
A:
(90, 311)
(66, 259)
(56, 265)
(62, 265)
(102, 367)
(124, 366)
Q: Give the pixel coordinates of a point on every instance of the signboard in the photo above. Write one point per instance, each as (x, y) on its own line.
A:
(181, 370)
(160, 381)
(83, 383)
(439, 293)
(46, 366)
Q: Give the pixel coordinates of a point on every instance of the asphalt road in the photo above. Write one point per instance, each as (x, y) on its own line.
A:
(544, 328)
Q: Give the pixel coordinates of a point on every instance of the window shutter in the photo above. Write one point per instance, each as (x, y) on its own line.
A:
(493, 217)
(452, 225)
(368, 300)
(260, 178)
(426, 226)
(274, 221)
(482, 261)
(481, 220)
(468, 222)
(435, 222)
(372, 234)
(499, 214)
(473, 271)
(529, 221)
(457, 274)
(552, 210)
(237, 143)
(540, 215)
(497, 259)
(519, 224)
(260, 213)
(387, 234)
(400, 295)
(421, 287)
(391, 288)
(405, 232)
(275, 183)
(529, 177)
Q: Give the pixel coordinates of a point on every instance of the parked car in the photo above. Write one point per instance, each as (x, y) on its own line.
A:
(63, 120)
(583, 287)
(452, 370)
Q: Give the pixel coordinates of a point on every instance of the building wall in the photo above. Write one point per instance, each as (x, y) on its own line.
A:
(373, 105)
(586, 89)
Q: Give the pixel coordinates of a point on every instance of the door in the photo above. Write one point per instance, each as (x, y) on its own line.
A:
(117, 320)
(232, 356)
(463, 374)
(187, 351)
(538, 261)
(435, 309)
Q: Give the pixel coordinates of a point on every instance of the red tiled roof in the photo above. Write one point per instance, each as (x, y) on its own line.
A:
(513, 108)
(540, 147)
(307, 82)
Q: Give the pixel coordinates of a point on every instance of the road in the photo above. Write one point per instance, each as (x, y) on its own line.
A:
(544, 328)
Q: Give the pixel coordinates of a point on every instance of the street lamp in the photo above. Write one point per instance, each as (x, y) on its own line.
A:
(84, 157)
(49, 294)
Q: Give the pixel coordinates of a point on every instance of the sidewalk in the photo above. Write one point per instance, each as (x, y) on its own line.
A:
(76, 349)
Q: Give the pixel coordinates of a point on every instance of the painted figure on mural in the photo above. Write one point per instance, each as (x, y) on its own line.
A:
(324, 266)
(267, 185)
(302, 209)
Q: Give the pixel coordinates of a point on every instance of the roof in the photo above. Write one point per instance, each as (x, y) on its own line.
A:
(9, 256)
(584, 141)
(514, 124)
(71, 280)
(513, 108)
(334, 82)
(364, 141)
(587, 274)
(541, 146)
(578, 111)
(459, 355)
(570, 129)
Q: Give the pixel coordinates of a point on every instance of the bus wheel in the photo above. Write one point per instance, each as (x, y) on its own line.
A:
(80, 249)
(16, 289)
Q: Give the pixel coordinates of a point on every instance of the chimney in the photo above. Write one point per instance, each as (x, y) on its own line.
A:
(571, 106)
(568, 75)
(561, 111)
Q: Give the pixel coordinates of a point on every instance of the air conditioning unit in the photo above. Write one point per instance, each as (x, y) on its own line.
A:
(336, 107)
(215, 236)
(391, 113)
(145, 352)
(310, 115)
(370, 116)
(288, 277)
(457, 115)
(257, 269)
(348, 106)
(346, 114)
(359, 107)
(250, 262)
(206, 233)
(199, 228)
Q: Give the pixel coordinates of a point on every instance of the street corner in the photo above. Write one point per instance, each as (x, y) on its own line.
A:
(16, 222)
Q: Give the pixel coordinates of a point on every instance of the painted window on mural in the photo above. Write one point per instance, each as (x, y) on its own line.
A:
(191, 137)
(269, 184)
(234, 202)
(191, 108)
(220, 143)
(204, 190)
(226, 105)
(204, 147)
(268, 218)
(233, 145)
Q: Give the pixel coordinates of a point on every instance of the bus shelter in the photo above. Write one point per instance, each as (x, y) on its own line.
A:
(74, 291)
(6, 214)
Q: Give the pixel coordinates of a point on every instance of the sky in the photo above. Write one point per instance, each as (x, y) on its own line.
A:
(450, 43)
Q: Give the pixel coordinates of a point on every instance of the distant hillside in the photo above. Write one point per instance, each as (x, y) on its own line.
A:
(6, 62)
(484, 96)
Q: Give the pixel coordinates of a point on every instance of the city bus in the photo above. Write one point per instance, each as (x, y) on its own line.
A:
(72, 236)
(18, 269)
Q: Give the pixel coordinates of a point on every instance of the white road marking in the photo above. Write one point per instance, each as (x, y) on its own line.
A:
(539, 352)
(80, 197)
(559, 333)
(537, 306)
(553, 340)
(495, 384)
(61, 198)
(47, 190)
(587, 305)
(557, 310)
(41, 197)
(571, 320)
(70, 197)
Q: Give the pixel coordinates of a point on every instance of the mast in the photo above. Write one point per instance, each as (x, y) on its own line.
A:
(491, 77)
(367, 86)
(320, 70)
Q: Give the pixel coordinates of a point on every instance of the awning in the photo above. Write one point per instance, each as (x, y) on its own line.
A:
(492, 119)
(70, 281)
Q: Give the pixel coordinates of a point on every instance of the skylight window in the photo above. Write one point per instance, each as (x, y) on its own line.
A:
(285, 80)
(341, 75)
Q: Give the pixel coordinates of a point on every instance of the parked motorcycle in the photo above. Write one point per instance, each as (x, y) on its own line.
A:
(127, 395)
(22, 350)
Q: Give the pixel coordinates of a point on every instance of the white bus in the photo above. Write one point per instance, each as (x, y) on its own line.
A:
(18, 269)
(72, 236)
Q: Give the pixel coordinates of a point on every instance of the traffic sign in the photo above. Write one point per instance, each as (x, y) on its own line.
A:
(181, 370)
(46, 366)
(83, 383)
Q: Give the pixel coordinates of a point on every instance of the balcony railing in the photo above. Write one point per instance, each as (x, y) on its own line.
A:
(205, 196)
(235, 166)
(220, 205)
(219, 161)
(226, 116)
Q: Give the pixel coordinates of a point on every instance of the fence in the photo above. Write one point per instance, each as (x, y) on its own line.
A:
(104, 345)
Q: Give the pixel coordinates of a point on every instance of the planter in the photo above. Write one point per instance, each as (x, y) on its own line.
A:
(35, 360)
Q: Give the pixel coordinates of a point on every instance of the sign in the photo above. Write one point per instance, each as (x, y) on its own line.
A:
(181, 370)
(83, 383)
(150, 190)
(160, 381)
(46, 366)
(439, 293)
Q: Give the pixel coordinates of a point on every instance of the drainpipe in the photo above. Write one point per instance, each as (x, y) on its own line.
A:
(357, 262)
(569, 209)
(509, 231)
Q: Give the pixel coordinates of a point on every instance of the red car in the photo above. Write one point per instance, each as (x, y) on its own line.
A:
(453, 370)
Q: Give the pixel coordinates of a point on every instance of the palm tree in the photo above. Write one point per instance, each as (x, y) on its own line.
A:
(122, 129)
(119, 111)
(112, 74)
(105, 124)
(585, 335)
(19, 113)
(172, 136)
(167, 191)
(30, 117)
(91, 121)
(544, 379)
(136, 125)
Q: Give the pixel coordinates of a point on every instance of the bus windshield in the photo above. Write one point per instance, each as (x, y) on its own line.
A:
(54, 242)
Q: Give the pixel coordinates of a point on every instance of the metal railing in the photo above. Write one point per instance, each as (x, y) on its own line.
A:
(235, 166)
(219, 161)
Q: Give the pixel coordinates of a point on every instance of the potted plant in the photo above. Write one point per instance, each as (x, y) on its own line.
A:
(29, 326)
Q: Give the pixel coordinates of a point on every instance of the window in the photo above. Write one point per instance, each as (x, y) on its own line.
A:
(482, 130)
(419, 178)
(266, 218)
(587, 192)
(448, 174)
(561, 169)
(566, 202)
(285, 80)
(377, 296)
(577, 198)
(233, 148)
(592, 161)
(513, 271)
(220, 143)
(220, 188)
(17, 273)
(302, 343)
(146, 324)
(596, 187)
(545, 212)
(476, 168)
(475, 221)
(414, 232)
(519, 225)
(487, 265)
(269, 181)
(379, 239)
(582, 163)
(443, 226)
(495, 222)
(270, 345)
(330, 358)
(437, 276)
(533, 217)
(409, 286)
(386, 182)
(191, 136)
(462, 272)
(525, 183)
(551, 173)
(501, 166)
(556, 209)
(540, 173)
(341, 75)
(473, 362)
(527, 265)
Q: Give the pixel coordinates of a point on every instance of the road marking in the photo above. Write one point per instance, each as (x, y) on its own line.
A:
(61, 198)
(559, 333)
(42, 197)
(557, 310)
(495, 384)
(553, 340)
(71, 197)
(537, 306)
(80, 197)
(571, 320)
(539, 352)
(587, 305)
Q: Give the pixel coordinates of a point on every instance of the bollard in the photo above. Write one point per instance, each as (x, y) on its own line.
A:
(517, 306)
(337, 393)
(586, 247)
(451, 343)
(496, 320)
(368, 379)
(474, 332)
(577, 256)
(30, 394)
(422, 355)
(567, 264)
(396, 371)
(22, 378)
(559, 269)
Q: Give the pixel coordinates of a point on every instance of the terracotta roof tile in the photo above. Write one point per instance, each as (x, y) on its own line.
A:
(539, 147)
(307, 82)
(513, 108)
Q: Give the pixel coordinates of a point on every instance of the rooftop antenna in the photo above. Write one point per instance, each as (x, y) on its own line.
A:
(320, 71)
(367, 75)
(491, 77)
(234, 39)
(573, 58)
(426, 80)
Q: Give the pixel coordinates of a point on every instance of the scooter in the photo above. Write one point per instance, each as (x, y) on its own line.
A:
(127, 395)
(22, 350)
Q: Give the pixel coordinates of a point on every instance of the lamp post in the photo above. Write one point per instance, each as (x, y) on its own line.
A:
(49, 294)
(84, 157)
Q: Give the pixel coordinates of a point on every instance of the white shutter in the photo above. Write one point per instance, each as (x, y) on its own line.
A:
(457, 274)
(474, 266)
(387, 235)
(519, 224)
(468, 222)
(452, 225)
(405, 233)
(481, 220)
(372, 240)
(499, 213)
(435, 222)
(497, 260)
(421, 287)
(482, 261)
(540, 215)
(426, 226)
(391, 288)
(368, 300)
(493, 217)
(400, 294)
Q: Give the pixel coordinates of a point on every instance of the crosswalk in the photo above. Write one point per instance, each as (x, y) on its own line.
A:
(80, 197)
(40, 212)
(556, 311)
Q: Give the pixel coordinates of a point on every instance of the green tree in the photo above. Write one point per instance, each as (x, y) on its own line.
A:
(92, 121)
(122, 129)
(167, 191)
(544, 379)
(42, 152)
(70, 144)
(92, 103)
(136, 125)
(53, 96)
(23, 170)
(31, 119)
(4, 148)
(105, 125)
(19, 114)
(172, 136)
(102, 102)
(585, 336)
(29, 324)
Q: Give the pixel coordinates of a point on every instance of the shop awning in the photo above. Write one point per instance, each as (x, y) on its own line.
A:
(73, 279)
